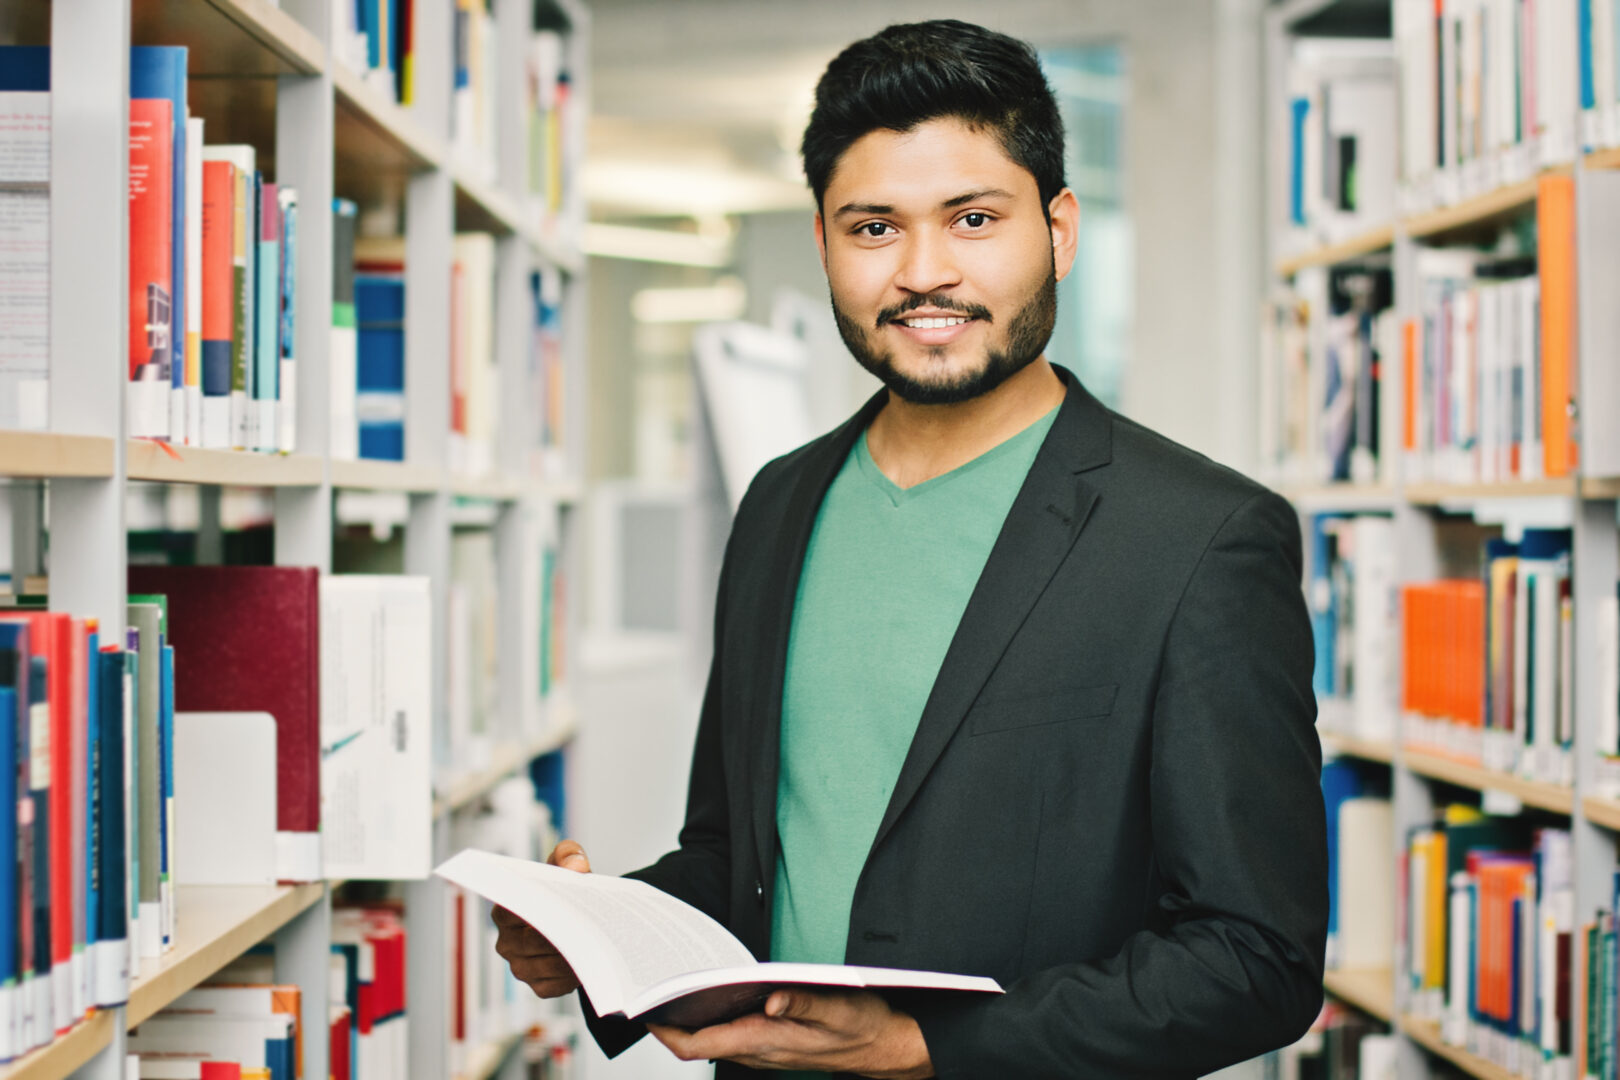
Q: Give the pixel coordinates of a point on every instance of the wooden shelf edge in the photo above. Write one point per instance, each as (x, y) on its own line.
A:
(1604, 812)
(159, 462)
(1353, 746)
(1480, 208)
(192, 960)
(1371, 991)
(1427, 494)
(391, 120)
(1367, 243)
(1553, 797)
(1340, 496)
(367, 475)
(1426, 1033)
(43, 454)
(507, 760)
(277, 31)
(60, 1058)
(1600, 487)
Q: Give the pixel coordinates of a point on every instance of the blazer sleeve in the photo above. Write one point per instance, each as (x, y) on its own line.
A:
(698, 871)
(1233, 967)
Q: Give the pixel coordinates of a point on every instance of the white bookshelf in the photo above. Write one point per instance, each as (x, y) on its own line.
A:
(1586, 503)
(268, 76)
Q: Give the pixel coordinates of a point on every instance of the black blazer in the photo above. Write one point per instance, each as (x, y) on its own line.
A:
(1111, 804)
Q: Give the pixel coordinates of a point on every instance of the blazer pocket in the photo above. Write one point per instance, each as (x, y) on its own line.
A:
(1041, 710)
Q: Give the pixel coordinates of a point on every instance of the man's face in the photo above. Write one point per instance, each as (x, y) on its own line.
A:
(942, 267)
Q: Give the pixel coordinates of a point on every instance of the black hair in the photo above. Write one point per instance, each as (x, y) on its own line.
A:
(912, 73)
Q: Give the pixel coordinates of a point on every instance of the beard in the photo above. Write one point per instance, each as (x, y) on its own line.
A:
(1028, 333)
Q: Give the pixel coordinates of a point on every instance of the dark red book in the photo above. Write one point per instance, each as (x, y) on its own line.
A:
(247, 639)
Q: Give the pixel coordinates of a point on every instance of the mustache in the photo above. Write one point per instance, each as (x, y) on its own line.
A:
(933, 300)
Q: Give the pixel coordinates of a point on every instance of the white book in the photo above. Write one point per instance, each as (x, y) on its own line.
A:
(25, 260)
(1366, 884)
(1455, 1021)
(1530, 451)
(248, 1041)
(376, 727)
(1608, 647)
(225, 798)
(642, 954)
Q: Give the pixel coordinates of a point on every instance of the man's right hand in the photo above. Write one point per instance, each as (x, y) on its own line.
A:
(532, 958)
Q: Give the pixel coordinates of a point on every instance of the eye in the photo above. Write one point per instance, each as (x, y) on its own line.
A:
(874, 229)
(976, 219)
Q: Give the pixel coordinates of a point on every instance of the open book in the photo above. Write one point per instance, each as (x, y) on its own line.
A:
(641, 954)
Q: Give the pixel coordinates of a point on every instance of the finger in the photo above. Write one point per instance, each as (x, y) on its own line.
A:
(554, 988)
(525, 969)
(751, 1037)
(505, 919)
(677, 1040)
(511, 944)
(570, 856)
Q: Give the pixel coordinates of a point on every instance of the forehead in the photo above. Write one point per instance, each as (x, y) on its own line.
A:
(934, 161)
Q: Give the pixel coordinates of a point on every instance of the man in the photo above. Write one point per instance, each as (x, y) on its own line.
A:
(1003, 683)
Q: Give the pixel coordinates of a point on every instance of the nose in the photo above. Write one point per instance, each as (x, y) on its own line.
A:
(928, 263)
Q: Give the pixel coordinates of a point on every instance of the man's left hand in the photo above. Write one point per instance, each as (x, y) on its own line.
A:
(814, 1030)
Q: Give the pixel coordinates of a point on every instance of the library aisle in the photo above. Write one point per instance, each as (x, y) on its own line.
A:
(292, 493)
(1438, 378)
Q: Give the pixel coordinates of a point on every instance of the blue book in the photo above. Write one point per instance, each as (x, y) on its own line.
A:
(1584, 23)
(1340, 781)
(111, 965)
(1300, 108)
(379, 307)
(159, 71)
(286, 394)
(1323, 604)
(25, 67)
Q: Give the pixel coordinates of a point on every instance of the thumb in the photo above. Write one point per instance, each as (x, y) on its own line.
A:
(786, 1005)
(570, 856)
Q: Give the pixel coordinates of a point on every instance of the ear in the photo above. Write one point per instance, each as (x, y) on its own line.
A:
(1065, 211)
(821, 241)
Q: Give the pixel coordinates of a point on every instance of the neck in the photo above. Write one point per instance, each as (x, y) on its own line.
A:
(912, 443)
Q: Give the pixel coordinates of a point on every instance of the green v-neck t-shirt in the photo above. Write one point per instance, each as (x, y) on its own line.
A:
(887, 575)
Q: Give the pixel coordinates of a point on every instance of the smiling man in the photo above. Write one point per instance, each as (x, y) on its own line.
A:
(1003, 683)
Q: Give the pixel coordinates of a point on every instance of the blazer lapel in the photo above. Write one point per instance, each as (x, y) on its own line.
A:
(1046, 517)
(821, 466)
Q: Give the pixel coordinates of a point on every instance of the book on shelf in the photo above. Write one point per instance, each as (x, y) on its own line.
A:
(1340, 154)
(1354, 602)
(368, 971)
(189, 223)
(342, 355)
(474, 88)
(640, 953)
(247, 638)
(376, 726)
(547, 389)
(379, 397)
(1487, 937)
(1488, 663)
(1342, 1044)
(1489, 94)
(488, 1004)
(553, 114)
(474, 380)
(1328, 348)
(472, 632)
(1361, 862)
(25, 224)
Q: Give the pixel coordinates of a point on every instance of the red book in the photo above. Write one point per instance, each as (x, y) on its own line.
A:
(218, 278)
(247, 638)
(337, 1054)
(220, 1070)
(151, 262)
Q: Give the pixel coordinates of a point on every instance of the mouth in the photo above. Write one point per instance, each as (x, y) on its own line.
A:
(933, 330)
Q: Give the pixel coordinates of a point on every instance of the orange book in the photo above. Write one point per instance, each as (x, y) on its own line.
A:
(1410, 695)
(1555, 258)
(1409, 359)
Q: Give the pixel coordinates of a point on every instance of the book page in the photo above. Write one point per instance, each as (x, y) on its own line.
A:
(620, 936)
(702, 998)
(25, 265)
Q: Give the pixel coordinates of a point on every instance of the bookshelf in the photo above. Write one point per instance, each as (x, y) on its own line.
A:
(268, 73)
(1493, 207)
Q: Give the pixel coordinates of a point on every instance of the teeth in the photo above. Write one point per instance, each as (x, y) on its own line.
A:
(934, 324)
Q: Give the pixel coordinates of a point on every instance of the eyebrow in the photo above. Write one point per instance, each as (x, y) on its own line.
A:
(949, 204)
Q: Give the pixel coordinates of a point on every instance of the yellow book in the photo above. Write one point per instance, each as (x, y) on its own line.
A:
(1436, 897)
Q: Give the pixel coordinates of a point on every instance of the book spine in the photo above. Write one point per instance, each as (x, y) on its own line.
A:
(166, 799)
(343, 354)
(267, 322)
(287, 322)
(242, 351)
(151, 269)
(191, 391)
(78, 730)
(131, 797)
(40, 1017)
(219, 311)
(90, 867)
(1555, 231)
(112, 930)
(8, 884)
